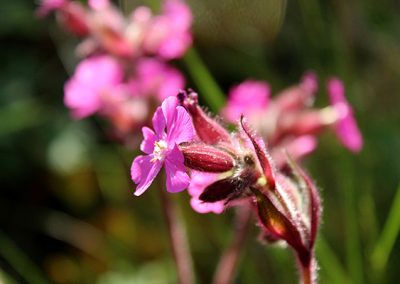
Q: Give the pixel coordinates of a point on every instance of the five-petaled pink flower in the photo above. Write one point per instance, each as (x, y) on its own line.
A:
(172, 126)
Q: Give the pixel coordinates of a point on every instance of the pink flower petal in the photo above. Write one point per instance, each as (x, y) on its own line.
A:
(246, 98)
(158, 79)
(181, 128)
(81, 98)
(346, 127)
(199, 181)
(143, 172)
(159, 122)
(168, 107)
(98, 4)
(149, 138)
(93, 77)
(177, 178)
(47, 6)
(204, 207)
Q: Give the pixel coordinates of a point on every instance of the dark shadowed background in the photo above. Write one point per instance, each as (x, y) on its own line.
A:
(67, 212)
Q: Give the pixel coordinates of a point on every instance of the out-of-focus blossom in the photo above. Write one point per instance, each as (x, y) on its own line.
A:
(198, 182)
(169, 34)
(172, 126)
(71, 15)
(208, 130)
(249, 97)
(299, 96)
(295, 148)
(107, 29)
(155, 78)
(98, 4)
(94, 78)
(48, 6)
(346, 127)
(288, 121)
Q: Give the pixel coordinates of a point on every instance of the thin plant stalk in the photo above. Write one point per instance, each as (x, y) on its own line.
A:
(20, 262)
(177, 237)
(390, 232)
(307, 271)
(205, 82)
(229, 260)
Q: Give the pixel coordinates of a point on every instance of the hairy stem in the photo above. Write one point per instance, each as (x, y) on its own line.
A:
(178, 239)
(230, 258)
(307, 271)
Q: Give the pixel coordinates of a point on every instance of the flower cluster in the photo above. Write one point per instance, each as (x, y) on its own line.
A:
(288, 120)
(125, 69)
(228, 169)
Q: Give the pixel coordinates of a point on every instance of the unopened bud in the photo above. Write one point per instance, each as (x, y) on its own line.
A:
(205, 158)
(207, 128)
(73, 18)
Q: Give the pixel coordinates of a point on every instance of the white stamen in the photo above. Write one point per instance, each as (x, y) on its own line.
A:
(159, 150)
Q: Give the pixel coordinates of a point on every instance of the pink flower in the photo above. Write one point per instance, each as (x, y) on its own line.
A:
(299, 96)
(169, 33)
(172, 126)
(48, 6)
(98, 4)
(93, 77)
(246, 98)
(153, 77)
(199, 181)
(346, 127)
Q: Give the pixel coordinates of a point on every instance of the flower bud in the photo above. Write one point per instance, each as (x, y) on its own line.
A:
(205, 158)
(73, 18)
(207, 128)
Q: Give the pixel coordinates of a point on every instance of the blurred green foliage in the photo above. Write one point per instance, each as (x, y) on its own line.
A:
(67, 213)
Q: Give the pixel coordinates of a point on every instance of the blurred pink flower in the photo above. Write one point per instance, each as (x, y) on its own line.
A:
(48, 6)
(246, 98)
(98, 4)
(299, 96)
(198, 182)
(172, 126)
(155, 78)
(93, 78)
(107, 27)
(169, 33)
(71, 15)
(346, 126)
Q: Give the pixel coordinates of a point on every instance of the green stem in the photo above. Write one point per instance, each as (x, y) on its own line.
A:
(331, 265)
(346, 174)
(20, 262)
(209, 89)
(384, 246)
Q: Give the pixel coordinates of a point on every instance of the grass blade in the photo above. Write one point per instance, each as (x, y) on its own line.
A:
(330, 263)
(208, 88)
(390, 232)
(20, 262)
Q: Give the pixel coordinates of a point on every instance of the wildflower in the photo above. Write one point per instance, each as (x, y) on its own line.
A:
(345, 127)
(168, 34)
(248, 97)
(172, 126)
(208, 130)
(198, 182)
(71, 15)
(94, 77)
(156, 78)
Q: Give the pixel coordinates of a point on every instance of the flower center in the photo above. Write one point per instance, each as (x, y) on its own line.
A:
(159, 150)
